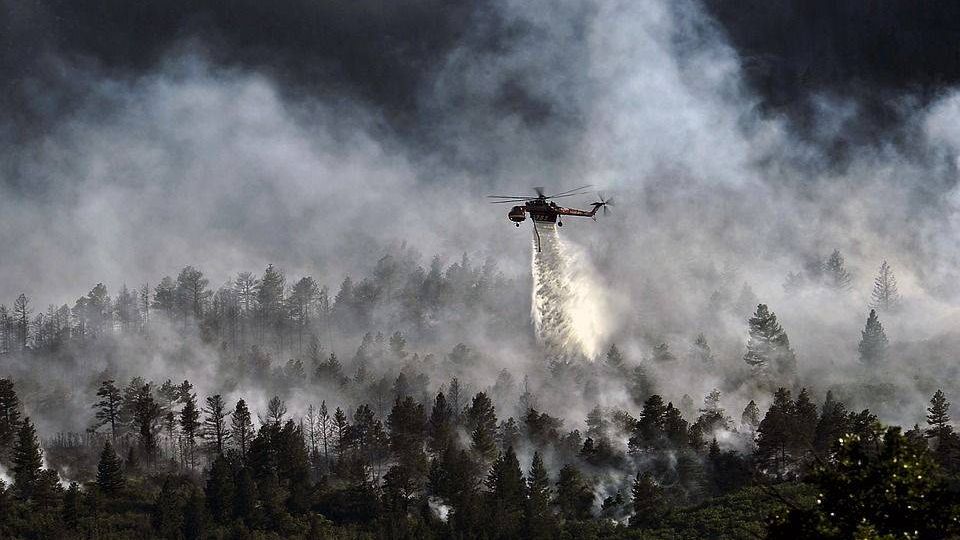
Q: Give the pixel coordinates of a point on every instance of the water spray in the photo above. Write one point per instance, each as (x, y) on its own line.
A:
(567, 308)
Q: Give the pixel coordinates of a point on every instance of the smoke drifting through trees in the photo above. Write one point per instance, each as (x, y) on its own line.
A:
(136, 167)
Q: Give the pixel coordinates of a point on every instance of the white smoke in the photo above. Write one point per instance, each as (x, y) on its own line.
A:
(568, 310)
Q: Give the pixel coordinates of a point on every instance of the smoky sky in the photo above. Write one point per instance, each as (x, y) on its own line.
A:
(387, 54)
(140, 137)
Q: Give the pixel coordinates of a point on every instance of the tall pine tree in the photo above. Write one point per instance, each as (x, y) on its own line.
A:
(885, 296)
(768, 349)
(873, 341)
(109, 471)
(27, 461)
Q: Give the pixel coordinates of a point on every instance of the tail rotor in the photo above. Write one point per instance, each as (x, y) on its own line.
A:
(605, 203)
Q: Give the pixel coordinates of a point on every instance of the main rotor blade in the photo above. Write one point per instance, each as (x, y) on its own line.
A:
(569, 195)
(524, 197)
(563, 193)
(508, 201)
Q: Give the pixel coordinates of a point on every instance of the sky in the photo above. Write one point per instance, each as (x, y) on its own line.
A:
(141, 137)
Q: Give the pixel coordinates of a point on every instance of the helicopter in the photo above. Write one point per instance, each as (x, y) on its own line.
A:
(543, 210)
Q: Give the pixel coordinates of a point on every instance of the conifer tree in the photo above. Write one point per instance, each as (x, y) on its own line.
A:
(938, 417)
(189, 427)
(804, 423)
(109, 407)
(675, 428)
(768, 349)
(539, 522)
(700, 352)
(194, 517)
(648, 501)
(27, 461)
(215, 425)
(144, 412)
(750, 419)
(574, 497)
(482, 422)
(109, 471)
(831, 425)
(9, 414)
(241, 428)
(615, 360)
(776, 432)
(167, 515)
(650, 426)
(661, 353)
(885, 296)
(873, 341)
(506, 493)
(835, 274)
(220, 490)
(440, 425)
(71, 506)
(596, 423)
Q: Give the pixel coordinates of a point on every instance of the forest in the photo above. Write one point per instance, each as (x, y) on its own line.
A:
(178, 411)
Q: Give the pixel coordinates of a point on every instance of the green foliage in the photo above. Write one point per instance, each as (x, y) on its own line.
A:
(109, 471)
(27, 460)
(891, 488)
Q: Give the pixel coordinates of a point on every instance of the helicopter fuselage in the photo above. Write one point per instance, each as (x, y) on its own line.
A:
(543, 211)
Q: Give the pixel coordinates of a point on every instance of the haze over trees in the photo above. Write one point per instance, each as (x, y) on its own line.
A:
(354, 416)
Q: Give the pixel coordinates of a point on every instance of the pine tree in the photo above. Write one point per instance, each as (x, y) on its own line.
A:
(440, 425)
(9, 414)
(276, 410)
(215, 425)
(769, 348)
(241, 429)
(649, 429)
(144, 412)
(21, 320)
(506, 493)
(835, 274)
(831, 426)
(189, 427)
(873, 341)
(27, 461)
(574, 496)
(750, 419)
(614, 359)
(71, 506)
(700, 352)
(649, 504)
(109, 407)
(885, 296)
(109, 471)
(776, 432)
(220, 490)
(482, 422)
(596, 423)
(194, 517)
(539, 522)
(167, 515)
(661, 353)
(938, 417)
(804, 423)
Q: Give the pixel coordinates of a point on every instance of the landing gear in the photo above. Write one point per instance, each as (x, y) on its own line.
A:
(517, 224)
(559, 224)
